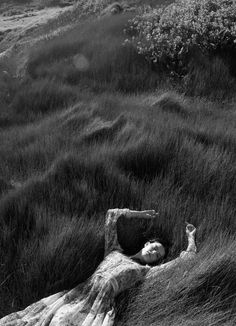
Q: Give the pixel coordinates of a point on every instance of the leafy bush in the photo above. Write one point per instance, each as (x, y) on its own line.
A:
(169, 36)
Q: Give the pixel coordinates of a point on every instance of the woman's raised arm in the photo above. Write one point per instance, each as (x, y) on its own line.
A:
(192, 248)
(112, 216)
(189, 254)
(111, 240)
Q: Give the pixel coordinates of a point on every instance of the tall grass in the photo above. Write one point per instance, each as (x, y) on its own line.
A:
(92, 55)
(140, 156)
(71, 151)
(42, 96)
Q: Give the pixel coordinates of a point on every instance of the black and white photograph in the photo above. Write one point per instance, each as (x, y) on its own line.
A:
(117, 163)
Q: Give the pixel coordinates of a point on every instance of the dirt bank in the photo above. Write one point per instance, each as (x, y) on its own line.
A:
(21, 26)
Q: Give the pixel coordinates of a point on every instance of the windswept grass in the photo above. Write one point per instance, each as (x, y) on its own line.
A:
(66, 170)
(81, 138)
(201, 293)
(92, 55)
(41, 97)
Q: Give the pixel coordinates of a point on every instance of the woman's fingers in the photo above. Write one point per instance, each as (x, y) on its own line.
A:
(151, 214)
(150, 211)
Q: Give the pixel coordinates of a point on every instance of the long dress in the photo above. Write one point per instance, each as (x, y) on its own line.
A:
(91, 303)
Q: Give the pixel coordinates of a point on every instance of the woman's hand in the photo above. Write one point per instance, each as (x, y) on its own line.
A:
(190, 230)
(150, 213)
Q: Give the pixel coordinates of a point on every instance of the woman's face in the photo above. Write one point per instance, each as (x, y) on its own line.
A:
(152, 252)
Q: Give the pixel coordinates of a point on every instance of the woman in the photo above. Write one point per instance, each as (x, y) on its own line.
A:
(93, 302)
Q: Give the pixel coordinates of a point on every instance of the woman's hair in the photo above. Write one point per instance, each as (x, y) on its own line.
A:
(164, 242)
(166, 245)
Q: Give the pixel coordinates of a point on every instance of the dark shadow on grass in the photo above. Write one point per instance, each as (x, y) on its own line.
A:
(224, 142)
(145, 160)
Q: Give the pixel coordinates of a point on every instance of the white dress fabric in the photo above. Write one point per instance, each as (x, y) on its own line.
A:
(91, 303)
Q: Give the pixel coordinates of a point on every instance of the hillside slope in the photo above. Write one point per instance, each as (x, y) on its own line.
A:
(91, 125)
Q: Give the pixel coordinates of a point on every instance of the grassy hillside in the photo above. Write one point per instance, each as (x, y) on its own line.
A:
(93, 125)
